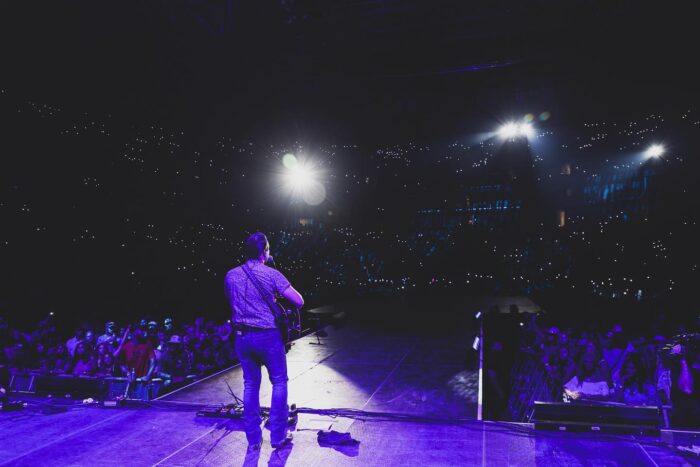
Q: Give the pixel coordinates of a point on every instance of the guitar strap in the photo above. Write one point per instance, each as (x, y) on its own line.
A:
(254, 280)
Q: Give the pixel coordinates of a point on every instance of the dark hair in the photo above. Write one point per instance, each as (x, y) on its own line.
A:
(639, 378)
(255, 245)
(581, 372)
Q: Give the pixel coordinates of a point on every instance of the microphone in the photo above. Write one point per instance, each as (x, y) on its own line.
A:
(271, 261)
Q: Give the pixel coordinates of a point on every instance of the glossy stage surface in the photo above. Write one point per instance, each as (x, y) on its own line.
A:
(422, 380)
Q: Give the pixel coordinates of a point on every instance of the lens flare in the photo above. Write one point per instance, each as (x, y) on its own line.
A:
(290, 161)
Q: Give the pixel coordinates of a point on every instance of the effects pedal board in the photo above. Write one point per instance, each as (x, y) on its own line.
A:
(235, 411)
(222, 411)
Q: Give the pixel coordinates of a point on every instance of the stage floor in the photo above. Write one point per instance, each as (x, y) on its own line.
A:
(394, 372)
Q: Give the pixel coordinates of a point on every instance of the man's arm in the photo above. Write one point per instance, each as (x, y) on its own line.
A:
(291, 294)
(151, 367)
(116, 352)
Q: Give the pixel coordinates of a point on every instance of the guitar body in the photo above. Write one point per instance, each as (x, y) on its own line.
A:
(288, 320)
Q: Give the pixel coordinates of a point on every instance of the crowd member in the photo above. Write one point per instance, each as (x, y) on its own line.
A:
(105, 359)
(109, 335)
(224, 331)
(58, 360)
(137, 356)
(18, 351)
(84, 363)
(174, 366)
(102, 349)
(559, 364)
(685, 384)
(152, 334)
(77, 336)
(590, 379)
(39, 355)
(550, 344)
(616, 348)
(105, 365)
(634, 386)
(168, 327)
(90, 339)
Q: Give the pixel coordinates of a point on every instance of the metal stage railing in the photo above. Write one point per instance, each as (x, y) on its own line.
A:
(529, 382)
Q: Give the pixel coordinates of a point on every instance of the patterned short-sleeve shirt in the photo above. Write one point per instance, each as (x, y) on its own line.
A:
(247, 306)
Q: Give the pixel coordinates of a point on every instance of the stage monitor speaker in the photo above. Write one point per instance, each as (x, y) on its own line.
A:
(601, 417)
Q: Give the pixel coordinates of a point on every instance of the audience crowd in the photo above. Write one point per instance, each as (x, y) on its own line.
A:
(142, 351)
(646, 364)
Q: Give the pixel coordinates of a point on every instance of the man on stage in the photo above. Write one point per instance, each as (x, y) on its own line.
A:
(258, 341)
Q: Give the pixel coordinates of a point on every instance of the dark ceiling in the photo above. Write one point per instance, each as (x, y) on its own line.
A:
(348, 62)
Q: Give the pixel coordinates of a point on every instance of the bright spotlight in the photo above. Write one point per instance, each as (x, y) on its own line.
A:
(508, 131)
(655, 150)
(514, 130)
(300, 179)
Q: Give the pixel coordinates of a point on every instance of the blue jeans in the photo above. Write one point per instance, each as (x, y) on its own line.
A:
(256, 348)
